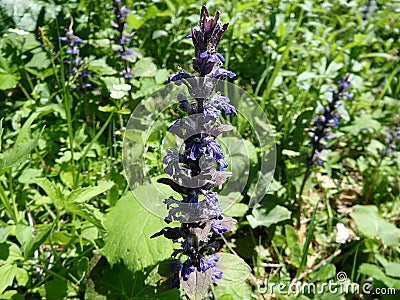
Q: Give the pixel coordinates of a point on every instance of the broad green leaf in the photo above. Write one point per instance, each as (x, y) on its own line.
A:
(240, 291)
(326, 272)
(237, 210)
(377, 273)
(306, 75)
(17, 155)
(117, 282)
(54, 289)
(262, 216)
(23, 233)
(393, 269)
(8, 81)
(40, 60)
(370, 224)
(162, 76)
(7, 274)
(100, 67)
(82, 195)
(234, 270)
(129, 228)
(28, 14)
(134, 22)
(22, 277)
(145, 68)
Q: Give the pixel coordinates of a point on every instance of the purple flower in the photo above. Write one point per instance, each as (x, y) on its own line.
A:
(122, 38)
(221, 73)
(216, 275)
(207, 262)
(322, 124)
(74, 59)
(177, 77)
(217, 227)
(193, 150)
(217, 104)
(213, 57)
(212, 111)
(211, 197)
(213, 146)
(186, 269)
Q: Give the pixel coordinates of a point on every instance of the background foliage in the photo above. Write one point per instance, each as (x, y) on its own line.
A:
(70, 227)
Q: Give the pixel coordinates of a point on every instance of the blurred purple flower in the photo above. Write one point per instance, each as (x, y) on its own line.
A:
(320, 132)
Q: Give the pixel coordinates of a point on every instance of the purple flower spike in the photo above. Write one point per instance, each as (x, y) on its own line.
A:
(322, 124)
(121, 37)
(200, 166)
(75, 61)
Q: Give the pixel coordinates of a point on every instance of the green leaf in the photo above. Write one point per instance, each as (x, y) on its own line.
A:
(54, 289)
(84, 194)
(10, 252)
(324, 273)
(87, 212)
(8, 81)
(234, 270)
(39, 60)
(158, 33)
(117, 282)
(23, 233)
(4, 232)
(15, 156)
(238, 291)
(370, 224)
(393, 269)
(264, 216)
(306, 75)
(52, 190)
(134, 22)
(162, 76)
(7, 274)
(33, 244)
(291, 236)
(27, 15)
(364, 122)
(237, 210)
(377, 273)
(129, 228)
(100, 67)
(145, 68)
(22, 277)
